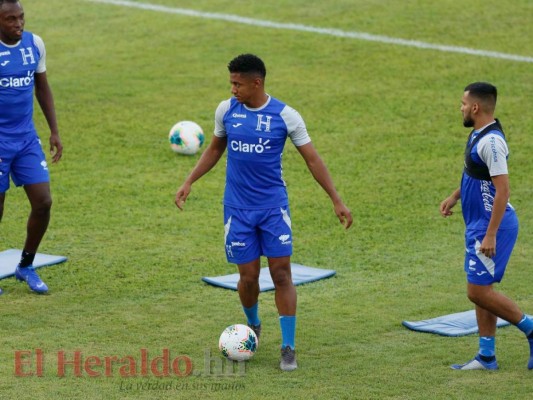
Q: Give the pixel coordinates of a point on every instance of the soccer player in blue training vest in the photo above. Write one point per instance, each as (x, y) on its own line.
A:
(23, 68)
(491, 223)
(253, 127)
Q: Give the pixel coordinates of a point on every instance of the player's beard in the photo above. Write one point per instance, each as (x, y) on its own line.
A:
(468, 122)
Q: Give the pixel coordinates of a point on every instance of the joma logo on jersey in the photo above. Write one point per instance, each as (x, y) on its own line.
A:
(17, 82)
(241, 147)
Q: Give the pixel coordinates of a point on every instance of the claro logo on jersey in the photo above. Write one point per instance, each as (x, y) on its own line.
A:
(17, 82)
(242, 147)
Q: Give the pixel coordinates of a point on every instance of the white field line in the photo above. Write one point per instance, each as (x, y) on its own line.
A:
(321, 31)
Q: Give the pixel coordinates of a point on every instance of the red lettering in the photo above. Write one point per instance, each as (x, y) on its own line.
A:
(109, 365)
(61, 362)
(130, 369)
(21, 361)
(144, 362)
(40, 359)
(176, 366)
(164, 360)
(92, 361)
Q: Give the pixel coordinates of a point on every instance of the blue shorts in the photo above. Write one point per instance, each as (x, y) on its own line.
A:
(482, 270)
(24, 161)
(250, 234)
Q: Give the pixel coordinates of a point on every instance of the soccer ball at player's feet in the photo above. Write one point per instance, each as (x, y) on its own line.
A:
(238, 342)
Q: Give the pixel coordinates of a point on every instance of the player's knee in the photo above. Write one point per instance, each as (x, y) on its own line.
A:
(43, 205)
(281, 277)
(248, 280)
(473, 297)
(477, 294)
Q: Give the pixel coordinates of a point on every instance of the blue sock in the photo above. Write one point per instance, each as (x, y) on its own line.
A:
(487, 346)
(252, 314)
(288, 330)
(526, 325)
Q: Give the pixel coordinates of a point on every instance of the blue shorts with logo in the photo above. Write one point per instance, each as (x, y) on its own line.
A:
(249, 234)
(24, 161)
(482, 270)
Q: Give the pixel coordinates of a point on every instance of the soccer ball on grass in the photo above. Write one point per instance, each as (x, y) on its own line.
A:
(238, 342)
(186, 137)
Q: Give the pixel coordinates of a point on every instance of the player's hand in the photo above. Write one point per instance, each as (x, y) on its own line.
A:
(344, 215)
(181, 195)
(488, 246)
(447, 205)
(56, 147)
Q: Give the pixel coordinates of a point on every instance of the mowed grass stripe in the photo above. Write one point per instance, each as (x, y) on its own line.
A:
(323, 31)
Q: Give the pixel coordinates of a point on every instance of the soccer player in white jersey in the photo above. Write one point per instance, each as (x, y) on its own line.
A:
(491, 223)
(23, 70)
(253, 127)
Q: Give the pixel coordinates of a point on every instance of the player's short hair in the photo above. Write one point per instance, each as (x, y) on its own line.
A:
(484, 91)
(247, 64)
(8, 1)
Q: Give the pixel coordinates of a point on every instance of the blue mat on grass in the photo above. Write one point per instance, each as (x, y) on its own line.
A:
(458, 324)
(9, 260)
(300, 274)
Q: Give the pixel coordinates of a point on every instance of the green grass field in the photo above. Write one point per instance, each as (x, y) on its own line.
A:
(385, 118)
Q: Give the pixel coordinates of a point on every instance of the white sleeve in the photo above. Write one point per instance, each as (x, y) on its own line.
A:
(41, 67)
(493, 150)
(295, 126)
(222, 109)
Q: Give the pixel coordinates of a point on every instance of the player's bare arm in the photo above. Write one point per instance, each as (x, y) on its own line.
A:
(320, 173)
(448, 203)
(44, 96)
(207, 161)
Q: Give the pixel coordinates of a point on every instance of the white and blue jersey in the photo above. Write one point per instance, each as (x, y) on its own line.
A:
(477, 195)
(255, 142)
(18, 65)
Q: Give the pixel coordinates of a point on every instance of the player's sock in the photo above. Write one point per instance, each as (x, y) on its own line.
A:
(487, 359)
(252, 314)
(526, 325)
(288, 330)
(530, 340)
(487, 347)
(26, 259)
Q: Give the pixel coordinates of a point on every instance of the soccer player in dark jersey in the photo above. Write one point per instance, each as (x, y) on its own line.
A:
(253, 127)
(491, 223)
(23, 70)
